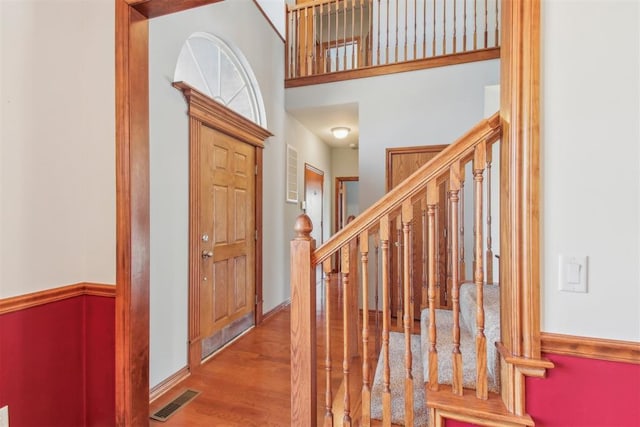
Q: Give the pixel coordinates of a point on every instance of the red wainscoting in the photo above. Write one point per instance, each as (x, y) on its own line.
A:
(585, 392)
(100, 345)
(57, 363)
(582, 392)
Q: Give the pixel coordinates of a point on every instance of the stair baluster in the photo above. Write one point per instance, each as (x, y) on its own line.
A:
(386, 322)
(344, 34)
(376, 268)
(407, 218)
(454, 186)
(475, 24)
(328, 414)
(399, 265)
(462, 262)
(432, 201)
(346, 359)
(353, 28)
(455, 27)
(366, 387)
(464, 31)
(440, 302)
(489, 256)
(425, 256)
(479, 161)
(444, 27)
(486, 25)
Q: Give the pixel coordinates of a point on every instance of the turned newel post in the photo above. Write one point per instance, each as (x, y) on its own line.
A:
(303, 326)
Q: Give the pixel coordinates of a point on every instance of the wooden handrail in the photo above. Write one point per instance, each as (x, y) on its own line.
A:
(485, 130)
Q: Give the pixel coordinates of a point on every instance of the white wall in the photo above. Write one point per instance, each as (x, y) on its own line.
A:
(425, 107)
(275, 10)
(314, 151)
(169, 168)
(57, 132)
(591, 164)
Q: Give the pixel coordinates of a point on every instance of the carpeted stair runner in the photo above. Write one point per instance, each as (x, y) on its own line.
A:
(396, 362)
(420, 347)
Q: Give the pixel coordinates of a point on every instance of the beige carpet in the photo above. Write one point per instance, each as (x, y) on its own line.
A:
(396, 358)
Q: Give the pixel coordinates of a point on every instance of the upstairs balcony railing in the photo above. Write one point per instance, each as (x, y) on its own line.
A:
(333, 37)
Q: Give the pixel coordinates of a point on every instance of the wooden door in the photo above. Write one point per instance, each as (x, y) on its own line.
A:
(313, 195)
(401, 163)
(225, 223)
(227, 240)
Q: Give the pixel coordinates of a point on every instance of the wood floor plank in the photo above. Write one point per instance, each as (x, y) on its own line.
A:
(248, 383)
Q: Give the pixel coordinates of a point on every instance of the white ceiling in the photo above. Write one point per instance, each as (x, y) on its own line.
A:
(320, 120)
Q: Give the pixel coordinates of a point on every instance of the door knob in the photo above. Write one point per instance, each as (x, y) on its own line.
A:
(207, 254)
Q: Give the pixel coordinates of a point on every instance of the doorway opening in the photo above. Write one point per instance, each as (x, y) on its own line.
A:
(313, 196)
(346, 200)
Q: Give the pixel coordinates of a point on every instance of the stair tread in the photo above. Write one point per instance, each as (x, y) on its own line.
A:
(444, 321)
(469, 408)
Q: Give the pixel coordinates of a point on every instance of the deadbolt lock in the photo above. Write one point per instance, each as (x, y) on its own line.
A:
(207, 254)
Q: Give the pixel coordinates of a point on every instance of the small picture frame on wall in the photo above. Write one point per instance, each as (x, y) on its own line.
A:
(292, 175)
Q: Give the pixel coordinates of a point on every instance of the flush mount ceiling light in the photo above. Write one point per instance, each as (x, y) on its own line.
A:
(340, 132)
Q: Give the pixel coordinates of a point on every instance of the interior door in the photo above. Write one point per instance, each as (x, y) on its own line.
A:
(227, 238)
(401, 163)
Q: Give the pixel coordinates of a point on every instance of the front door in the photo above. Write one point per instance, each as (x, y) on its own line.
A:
(227, 237)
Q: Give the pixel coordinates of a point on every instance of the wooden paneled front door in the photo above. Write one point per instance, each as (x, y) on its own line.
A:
(227, 238)
(225, 223)
(401, 163)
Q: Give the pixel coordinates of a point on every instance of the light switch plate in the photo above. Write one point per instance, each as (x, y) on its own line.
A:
(573, 273)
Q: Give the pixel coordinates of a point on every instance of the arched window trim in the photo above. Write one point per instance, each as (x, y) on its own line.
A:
(241, 65)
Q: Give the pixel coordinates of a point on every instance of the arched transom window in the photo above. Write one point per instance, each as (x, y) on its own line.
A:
(210, 65)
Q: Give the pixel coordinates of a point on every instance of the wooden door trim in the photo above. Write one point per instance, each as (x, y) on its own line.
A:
(132, 182)
(313, 168)
(219, 117)
(203, 110)
(132, 216)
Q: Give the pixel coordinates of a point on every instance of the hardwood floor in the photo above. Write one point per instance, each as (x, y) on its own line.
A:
(248, 383)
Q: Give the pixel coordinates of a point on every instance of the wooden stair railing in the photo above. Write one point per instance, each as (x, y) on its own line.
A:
(330, 38)
(353, 243)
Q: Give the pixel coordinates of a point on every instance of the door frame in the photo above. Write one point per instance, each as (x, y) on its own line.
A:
(520, 112)
(310, 167)
(205, 111)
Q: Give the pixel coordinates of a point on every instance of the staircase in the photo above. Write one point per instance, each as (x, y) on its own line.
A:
(362, 249)
(459, 346)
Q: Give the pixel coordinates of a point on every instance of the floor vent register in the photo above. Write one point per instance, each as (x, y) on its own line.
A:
(170, 408)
